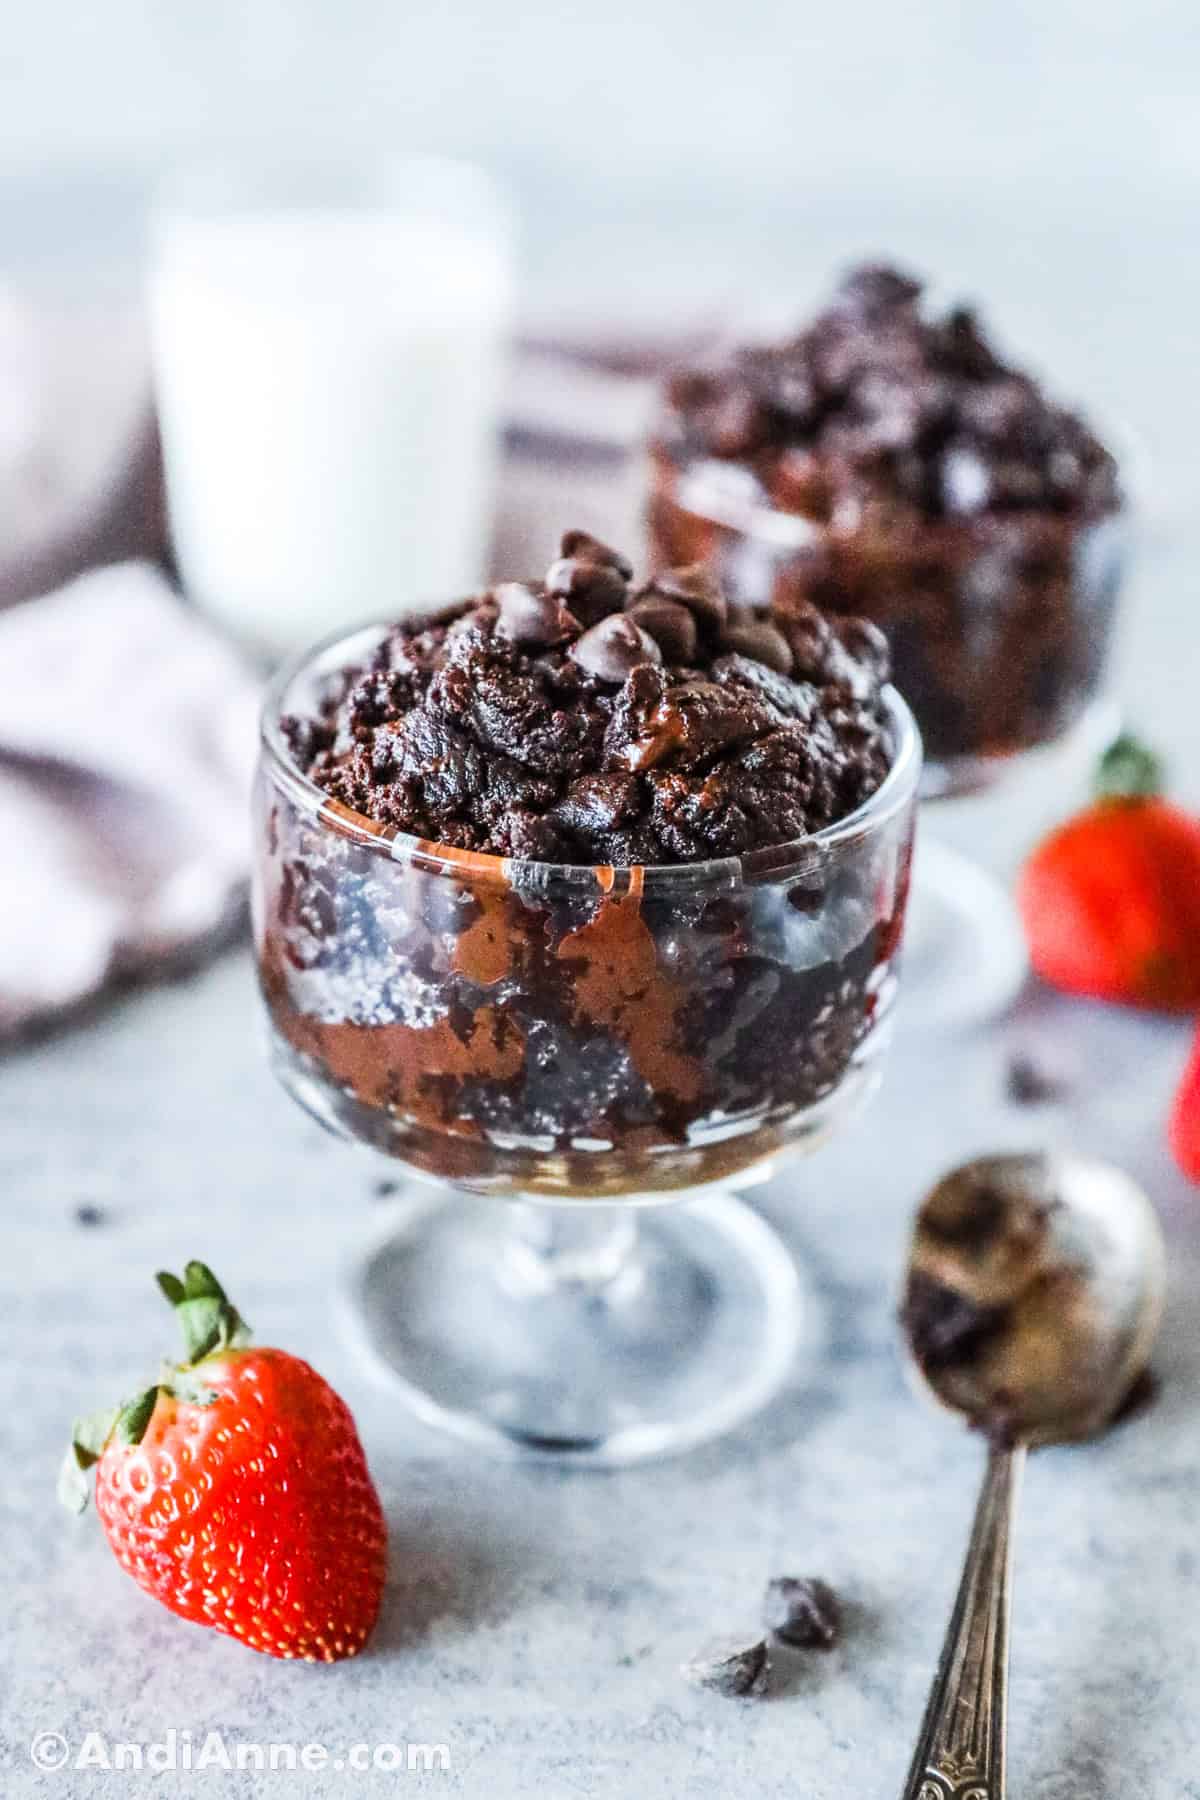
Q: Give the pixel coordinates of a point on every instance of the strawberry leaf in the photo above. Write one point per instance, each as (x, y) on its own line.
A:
(134, 1417)
(207, 1318)
(88, 1438)
(200, 1283)
(1129, 771)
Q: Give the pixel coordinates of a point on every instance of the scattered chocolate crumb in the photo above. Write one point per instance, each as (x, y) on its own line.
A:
(730, 1667)
(88, 1213)
(386, 1189)
(1031, 1082)
(803, 1611)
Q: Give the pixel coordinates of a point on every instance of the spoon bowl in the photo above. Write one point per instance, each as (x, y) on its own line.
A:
(1034, 1292)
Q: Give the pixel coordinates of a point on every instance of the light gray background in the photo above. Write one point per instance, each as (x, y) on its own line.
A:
(667, 159)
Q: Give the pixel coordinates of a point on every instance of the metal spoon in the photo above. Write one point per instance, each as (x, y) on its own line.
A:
(1033, 1294)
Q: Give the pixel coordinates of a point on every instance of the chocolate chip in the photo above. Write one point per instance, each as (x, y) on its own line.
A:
(804, 1611)
(583, 547)
(594, 590)
(874, 290)
(671, 625)
(695, 587)
(615, 647)
(87, 1213)
(1030, 1082)
(761, 641)
(727, 1666)
(527, 617)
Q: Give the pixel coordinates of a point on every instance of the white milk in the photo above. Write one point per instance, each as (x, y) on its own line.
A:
(328, 384)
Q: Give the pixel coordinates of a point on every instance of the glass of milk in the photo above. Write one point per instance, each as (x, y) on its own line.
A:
(328, 351)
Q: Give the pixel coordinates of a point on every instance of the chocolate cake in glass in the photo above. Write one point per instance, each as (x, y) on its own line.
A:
(888, 462)
(588, 892)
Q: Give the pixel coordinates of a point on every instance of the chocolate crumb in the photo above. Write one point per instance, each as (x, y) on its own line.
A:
(803, 1611)
(385, 1189)
(728, 1666)
(88, 1213)
(1032, 1082)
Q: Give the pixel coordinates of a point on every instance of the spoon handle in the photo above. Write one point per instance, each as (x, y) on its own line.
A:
(960, 1752)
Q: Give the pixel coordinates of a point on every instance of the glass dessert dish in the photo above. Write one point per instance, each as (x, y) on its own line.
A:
(890, 466)
(558, 1048)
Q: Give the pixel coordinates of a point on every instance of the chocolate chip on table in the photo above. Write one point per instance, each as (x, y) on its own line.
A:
(583, 547)
(527, 617)
(614, 648)
(730, 1667)
(761, 641)
(1031, 1082)
(803, 1611)
(670, 624)
(88, 1213)
(694, 586)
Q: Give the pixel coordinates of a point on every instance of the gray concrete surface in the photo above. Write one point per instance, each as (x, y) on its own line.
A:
(535, 1620)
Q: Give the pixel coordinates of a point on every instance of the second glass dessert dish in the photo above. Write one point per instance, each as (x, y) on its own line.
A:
(887, 462)
(573, 899)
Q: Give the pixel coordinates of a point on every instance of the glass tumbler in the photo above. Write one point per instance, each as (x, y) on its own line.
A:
(329, 346)
(556, 1050)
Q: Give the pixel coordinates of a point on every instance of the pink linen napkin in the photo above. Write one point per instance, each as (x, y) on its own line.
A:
(127, 733)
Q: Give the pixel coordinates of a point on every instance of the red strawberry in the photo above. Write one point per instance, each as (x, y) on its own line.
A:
(1183, 1129)
(236, 1490)
(1111, 900)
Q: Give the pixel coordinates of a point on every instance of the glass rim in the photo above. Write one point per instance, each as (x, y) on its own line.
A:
(705, 491)
(302, 177)
(896, 791)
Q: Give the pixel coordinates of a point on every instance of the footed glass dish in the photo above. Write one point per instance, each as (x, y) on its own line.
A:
(556, 1049)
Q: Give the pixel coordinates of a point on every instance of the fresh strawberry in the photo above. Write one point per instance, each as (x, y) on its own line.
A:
(1111, 900)
(1183, 1129)
(236, 1490)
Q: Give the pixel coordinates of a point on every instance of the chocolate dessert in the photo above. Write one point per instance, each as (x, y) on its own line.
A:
(888, 463)
(547, 898)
